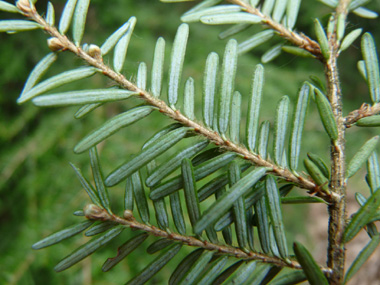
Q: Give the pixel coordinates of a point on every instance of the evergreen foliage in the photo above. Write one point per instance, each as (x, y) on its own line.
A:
(218, 191)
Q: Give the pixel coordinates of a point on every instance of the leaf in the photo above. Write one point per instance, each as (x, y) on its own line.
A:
(50, 14)
(362, 217)
(326, 114)
(141, 76)
(239, 208)
(254, 107)
(99, 180)
(362, 257)
(62, 235)
(145, 156)
(112, 40)
(311, 269)
(231, 18)
(267, 7)
(243, 273)
(216, 210)
(188, 103)
(297, 126)
(38, 71)
(354, 4)
(83, 97)
(177, 213)
(88, 248)
(361, 156)
(320, 164)
(293, 277)
(228, 81)
(112, 126)
(263, 139)
(349, 39)
(86, 109)
(362, 69)
(292, 10)
(340, 27)
(371, 121)
(67, 15)
(87, 186)
(220, 9)
(121, 47)
(233, 30)
(316, 174)
(173, 163)
(261, 271)
(56, 81)
(330, 3)
(301, 200)
(7, 7)
(176, 63)
(272, 272)
(190, 190)
(322, 39)
(12, 26)
(255, 41)
(279, 10)
(140, 198)
(271, 53)
(124, 250)
(158, 67)
(209, 87)
(155, 266)
(297, 51)
(79, 20)
(100, 228)
(372, 66)
(274, 207)
(373, 169)
(184, 266)
(280, 128)
(158, 245)
(197, 268)
(213, 271)
(365, 13)
(228, 272)
(235, 117)
(202, 5)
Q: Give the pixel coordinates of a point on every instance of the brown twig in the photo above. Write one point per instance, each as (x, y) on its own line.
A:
(93, 212)
(300, 40)
(365, 110)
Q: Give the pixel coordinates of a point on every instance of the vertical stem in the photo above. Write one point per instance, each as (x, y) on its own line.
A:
(337, 210)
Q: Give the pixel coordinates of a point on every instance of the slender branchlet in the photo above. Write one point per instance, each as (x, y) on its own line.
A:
(365, 110)
(300, 40)
(93, 212)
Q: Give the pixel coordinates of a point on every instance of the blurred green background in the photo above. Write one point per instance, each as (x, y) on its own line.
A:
(39, 190)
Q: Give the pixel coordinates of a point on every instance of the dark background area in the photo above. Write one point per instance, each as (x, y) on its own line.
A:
(39, 190)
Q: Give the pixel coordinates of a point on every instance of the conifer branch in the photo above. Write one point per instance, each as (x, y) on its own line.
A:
(61, 42)
(298, 39)
(93, 212)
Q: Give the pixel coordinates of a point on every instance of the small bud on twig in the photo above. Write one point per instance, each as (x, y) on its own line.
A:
(94, 212)
(95, 52)
(24, 6)
(55, 44)
(128, 215)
